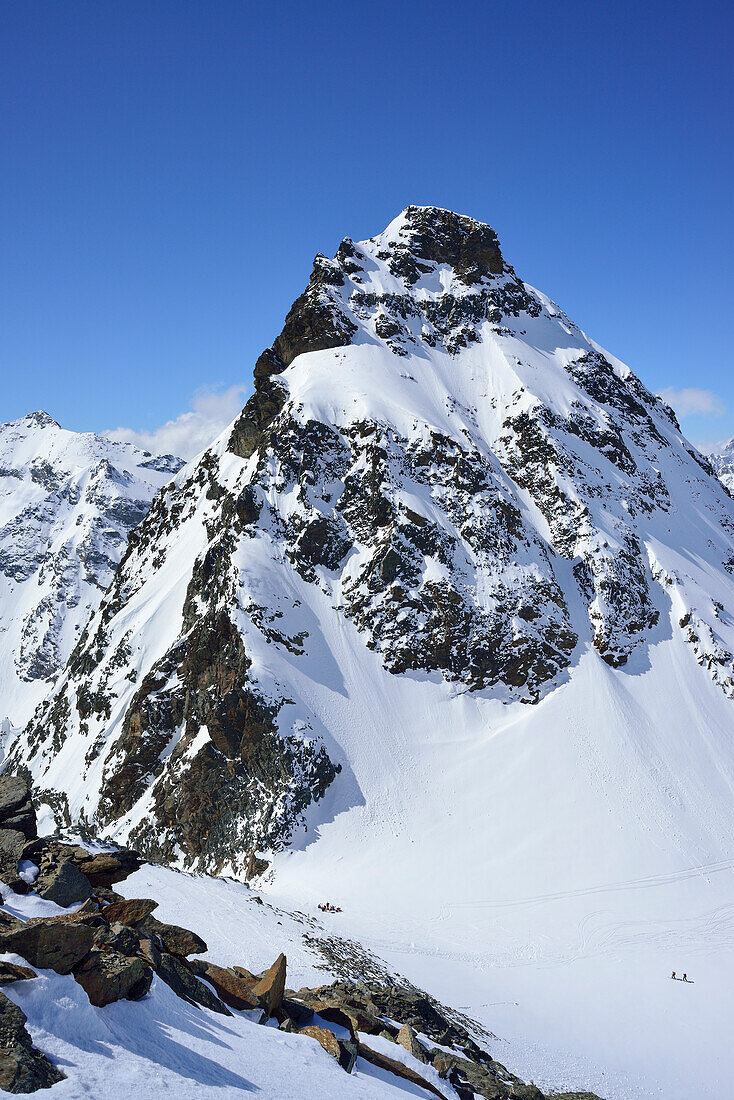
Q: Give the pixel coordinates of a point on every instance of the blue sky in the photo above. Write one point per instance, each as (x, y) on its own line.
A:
(170, 168)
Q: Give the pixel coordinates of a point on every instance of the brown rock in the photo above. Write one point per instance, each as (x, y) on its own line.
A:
(107, 868)
(50, 944)
(11, 972)
(107, 976)
(132, 911)
(245, 974)
(397, 1068)
(150, 952)
(22, 1067)
(234, 990)
(176, 940)
(407, 1039)
(270, 988)
(80, 916)
(327, 1038)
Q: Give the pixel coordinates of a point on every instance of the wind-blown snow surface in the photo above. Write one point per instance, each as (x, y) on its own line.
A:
(67, 504)
(162, 1046)
(546, 865)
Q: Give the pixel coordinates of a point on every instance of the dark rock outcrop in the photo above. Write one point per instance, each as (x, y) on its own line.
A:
(12, 972)
(22, 1067)
(63, 884)
(107, 976)
(175, 940)
(50, 944)
(177, 974)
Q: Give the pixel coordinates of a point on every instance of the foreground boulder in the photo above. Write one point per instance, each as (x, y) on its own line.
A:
(63, 884)
(132, 911)
(22, 1067)
(50, 944)
(231, 988)
(107, 976)
(11, 851)
(176, 940)
(178, 975)
(270, 988)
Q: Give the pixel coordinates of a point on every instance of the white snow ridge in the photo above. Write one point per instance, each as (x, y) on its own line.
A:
(67, 504)
(439, 629)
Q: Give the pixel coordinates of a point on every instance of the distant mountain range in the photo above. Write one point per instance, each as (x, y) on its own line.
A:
(67, 504)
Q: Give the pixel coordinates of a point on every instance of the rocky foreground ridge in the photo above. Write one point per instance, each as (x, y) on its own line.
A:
(114, 947)
(437, 469)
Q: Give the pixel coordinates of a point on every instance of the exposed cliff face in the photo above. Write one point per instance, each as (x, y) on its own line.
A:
(436, 465)
(67, 504)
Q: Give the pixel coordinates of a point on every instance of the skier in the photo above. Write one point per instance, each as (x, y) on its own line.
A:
(673, 974)
(685, 977)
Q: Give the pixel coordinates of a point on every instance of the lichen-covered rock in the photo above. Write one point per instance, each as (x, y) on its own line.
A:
(108, 976)
(22, 1068)
(12, 972)
(63, 884)
(176, 940)
(50, 944)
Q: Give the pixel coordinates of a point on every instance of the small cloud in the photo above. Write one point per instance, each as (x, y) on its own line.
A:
(191, 432)
(693, 402)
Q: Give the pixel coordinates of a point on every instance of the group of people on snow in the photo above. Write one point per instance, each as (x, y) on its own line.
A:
(683, 979)
(327, 907)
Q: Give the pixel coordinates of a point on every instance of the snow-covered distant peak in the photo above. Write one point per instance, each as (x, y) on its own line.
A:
(68, 501)
(722, 460)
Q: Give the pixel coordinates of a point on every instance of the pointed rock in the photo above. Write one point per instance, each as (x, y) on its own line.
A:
(270, 988)
(407, 1039)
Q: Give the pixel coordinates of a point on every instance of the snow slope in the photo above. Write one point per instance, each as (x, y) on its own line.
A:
(441, 631)
(162, 1046)
(67, 503)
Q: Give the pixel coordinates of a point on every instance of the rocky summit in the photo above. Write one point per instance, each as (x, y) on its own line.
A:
(440, 487)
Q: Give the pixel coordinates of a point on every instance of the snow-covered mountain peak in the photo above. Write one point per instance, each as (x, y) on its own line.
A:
(441, 486)
(722, 460)
(67, 504)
